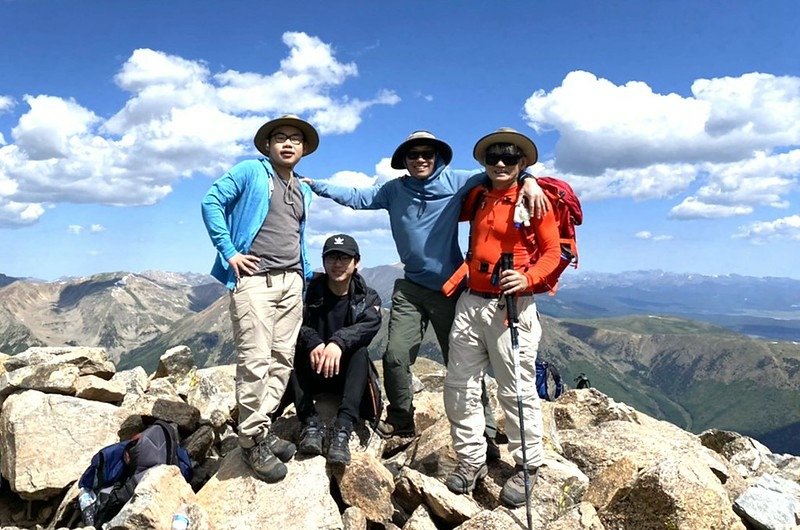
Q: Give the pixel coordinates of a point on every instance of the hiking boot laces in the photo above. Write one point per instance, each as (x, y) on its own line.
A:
(465, 476)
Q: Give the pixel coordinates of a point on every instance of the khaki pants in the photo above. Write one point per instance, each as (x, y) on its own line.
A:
(266, 312)
(480, 337)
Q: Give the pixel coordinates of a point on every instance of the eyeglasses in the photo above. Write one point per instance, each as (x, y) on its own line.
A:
(333, 257)
(296, 139)
(509, 160)
(427, 154)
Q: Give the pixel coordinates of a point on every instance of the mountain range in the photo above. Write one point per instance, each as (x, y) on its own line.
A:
(699, 351)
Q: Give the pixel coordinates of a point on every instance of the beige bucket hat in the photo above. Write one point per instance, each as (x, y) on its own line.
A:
(420, 138)
(309, 133)
(506, 135)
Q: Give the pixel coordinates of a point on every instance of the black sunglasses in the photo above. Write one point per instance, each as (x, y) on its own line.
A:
(413, 155)
(509, 160)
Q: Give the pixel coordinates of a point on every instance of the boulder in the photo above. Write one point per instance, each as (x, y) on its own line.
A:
(420, 520)
(95, 389)
(368, 485)
(354, 519)
(679, 492)
(771, 503)
(500, 519)
(414, 488)
(49, 378)
(169, 409)
(47, 440)
(213, 390)
(90, 361)
(235, 499)
(580, 517)
(175, 363)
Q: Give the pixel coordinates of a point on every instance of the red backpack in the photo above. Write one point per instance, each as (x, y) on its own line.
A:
(568, 213)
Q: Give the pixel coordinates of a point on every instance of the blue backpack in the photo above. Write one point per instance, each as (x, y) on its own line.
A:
(116, 470)
(548, 381)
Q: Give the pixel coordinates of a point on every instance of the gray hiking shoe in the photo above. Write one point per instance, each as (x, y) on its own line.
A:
(311, 437)
(264, 464)
(339, 449)
(464, 477)
(281, 448)
(387, 430)
(513, 493)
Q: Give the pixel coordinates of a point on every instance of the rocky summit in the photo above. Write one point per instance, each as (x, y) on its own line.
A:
(608, 466)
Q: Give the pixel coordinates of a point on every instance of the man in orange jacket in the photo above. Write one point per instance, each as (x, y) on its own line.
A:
(480, 335)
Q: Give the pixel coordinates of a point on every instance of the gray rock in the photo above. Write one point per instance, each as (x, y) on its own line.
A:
(772, 503)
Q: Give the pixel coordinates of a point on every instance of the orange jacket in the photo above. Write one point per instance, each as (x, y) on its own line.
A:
(536, 248)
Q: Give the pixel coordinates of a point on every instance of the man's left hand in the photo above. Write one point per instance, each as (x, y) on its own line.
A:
(512, 281)
(328, 364)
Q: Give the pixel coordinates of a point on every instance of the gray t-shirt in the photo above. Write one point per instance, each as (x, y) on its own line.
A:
(278, 240)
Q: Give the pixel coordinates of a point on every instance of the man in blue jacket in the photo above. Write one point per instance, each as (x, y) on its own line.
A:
(256, 215)
(341, 316)
(424, 208)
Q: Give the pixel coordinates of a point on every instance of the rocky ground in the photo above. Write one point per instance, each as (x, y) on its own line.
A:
(608, 466)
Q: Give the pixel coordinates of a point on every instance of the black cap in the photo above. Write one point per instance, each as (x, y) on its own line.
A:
(341, 243)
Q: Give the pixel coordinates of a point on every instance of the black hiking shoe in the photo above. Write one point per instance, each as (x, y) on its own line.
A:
(387, 430)
(311, 437)
(263, 463)
(339, 448)
(465, 476)
(513, 493)
(492, 449)
(281, 448)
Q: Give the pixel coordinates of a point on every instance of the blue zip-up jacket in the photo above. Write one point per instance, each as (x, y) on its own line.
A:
(234, 210)
(423, 215)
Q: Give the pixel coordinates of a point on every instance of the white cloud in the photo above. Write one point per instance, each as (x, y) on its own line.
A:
(647, 235)
(97, 228)
(181, 119)
(75, 229)
(6, 103)
(735, 137)
(766, 231)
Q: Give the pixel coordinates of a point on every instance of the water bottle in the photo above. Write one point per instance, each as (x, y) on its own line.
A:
(180, 521)
(86, 500)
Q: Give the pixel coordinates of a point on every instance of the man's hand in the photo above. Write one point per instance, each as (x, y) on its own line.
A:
(328, 364)
(512, 281)
(243, 264)
(315, 356)
(534, 198)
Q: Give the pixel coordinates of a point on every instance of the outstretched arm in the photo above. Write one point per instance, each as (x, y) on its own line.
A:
(372, 198)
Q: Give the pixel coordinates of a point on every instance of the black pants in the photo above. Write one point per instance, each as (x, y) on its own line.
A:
(350, 384)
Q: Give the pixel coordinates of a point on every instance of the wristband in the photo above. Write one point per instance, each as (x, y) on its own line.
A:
(522, 176)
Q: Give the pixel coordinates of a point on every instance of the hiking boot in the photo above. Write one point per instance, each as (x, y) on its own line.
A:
(281, 448)
(264, 464)
(465, 476)
(387, 430)
(311, 437)
(492, 449)
(339, 448)
(513, 493)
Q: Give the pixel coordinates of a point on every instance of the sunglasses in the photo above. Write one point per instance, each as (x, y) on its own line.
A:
(509, 160)
(427, 155)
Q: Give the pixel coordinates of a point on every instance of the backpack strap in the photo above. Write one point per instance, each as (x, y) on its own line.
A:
(475, 199)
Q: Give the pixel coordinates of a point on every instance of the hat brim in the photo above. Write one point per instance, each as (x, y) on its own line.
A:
(442, 149)
(349, 252)
(310, 135)
(524, 143)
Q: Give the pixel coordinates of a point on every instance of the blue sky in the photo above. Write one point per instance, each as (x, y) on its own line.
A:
(677, 122)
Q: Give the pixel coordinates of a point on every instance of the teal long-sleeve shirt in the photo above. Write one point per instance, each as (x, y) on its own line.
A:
(235, 208)
(423, 215)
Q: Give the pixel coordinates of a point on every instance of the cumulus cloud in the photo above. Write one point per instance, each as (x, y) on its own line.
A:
(766, 231)
(729, 146)
(75, 229)
(97, 228)
(181, 119)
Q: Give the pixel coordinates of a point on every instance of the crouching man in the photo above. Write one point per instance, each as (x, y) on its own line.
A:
(480, 335)
(341, 316)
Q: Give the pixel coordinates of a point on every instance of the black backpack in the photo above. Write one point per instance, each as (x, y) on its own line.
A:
(116, 470)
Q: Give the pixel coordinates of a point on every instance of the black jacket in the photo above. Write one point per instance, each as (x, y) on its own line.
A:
(361, 324)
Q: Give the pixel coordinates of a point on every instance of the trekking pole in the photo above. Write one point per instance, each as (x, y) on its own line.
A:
(507, 263)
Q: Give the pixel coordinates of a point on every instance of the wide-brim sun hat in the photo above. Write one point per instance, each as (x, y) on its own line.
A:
(506, 135)
(310, 135)
(420, 138)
